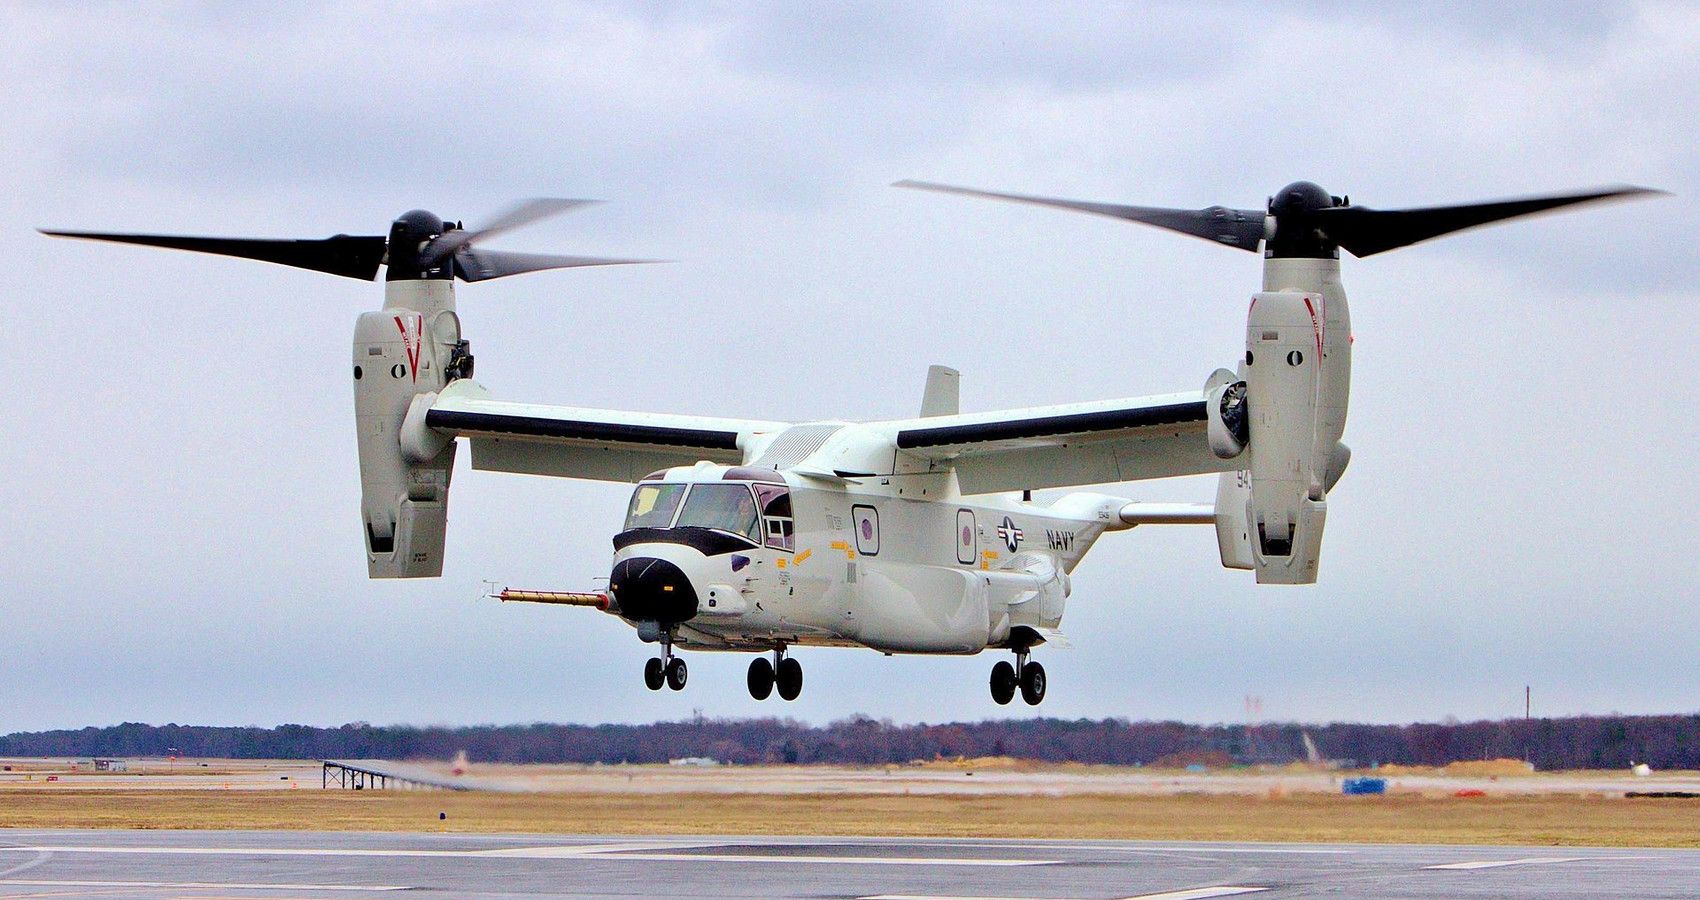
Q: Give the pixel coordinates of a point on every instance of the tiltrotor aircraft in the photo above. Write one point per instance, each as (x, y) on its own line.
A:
(908, 536)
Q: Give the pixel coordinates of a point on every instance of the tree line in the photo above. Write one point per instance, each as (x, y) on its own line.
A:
(1583, 742)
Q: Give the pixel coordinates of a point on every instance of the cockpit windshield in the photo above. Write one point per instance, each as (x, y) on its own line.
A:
(724, 507)
(653, 505)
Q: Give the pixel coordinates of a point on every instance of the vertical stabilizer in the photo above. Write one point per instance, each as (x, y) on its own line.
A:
(943, 395)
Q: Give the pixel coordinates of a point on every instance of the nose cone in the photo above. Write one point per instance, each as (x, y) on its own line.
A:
(416, 225)
(1298, 234)
(1300, 196)
(650, 589)
(408, 235)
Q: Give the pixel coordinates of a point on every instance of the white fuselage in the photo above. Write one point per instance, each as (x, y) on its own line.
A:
(900, 564)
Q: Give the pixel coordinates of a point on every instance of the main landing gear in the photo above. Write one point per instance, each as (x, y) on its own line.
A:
(667, 668)
(784, 673)
(1030, 680)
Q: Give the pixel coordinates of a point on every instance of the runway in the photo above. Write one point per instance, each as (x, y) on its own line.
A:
(254, 864)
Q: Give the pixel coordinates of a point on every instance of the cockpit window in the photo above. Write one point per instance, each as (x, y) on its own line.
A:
(653, 505)
(724, 507)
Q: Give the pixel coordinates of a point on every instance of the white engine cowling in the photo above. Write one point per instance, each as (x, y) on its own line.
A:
(1286, 479)
(403, 355)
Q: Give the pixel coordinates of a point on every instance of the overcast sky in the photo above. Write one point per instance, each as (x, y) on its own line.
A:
(183, 540)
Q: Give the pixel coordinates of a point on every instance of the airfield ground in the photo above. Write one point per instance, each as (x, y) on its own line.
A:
(981, 798)
(1523, 820)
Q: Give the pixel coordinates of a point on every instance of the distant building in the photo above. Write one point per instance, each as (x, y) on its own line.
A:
(110, 765)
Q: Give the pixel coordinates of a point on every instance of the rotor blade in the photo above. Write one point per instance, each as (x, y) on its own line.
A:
(519, 216)
(350, 257)
(473, 264)
(1365, 232)
(1242, 228)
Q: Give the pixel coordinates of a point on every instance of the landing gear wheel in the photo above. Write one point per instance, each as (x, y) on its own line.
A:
(653, 674)
(1032, 683)
(789, 678)
(761, 678)
(676, 675)
(1003, 683)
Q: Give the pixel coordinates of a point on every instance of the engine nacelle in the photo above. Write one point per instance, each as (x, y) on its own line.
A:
(403, 355)
(1288, 466)
(1227, 425)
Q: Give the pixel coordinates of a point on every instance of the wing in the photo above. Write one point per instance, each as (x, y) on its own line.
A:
(1060, 446)
(598, 444)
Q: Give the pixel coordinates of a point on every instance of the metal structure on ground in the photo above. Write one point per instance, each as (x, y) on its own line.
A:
(360, 775)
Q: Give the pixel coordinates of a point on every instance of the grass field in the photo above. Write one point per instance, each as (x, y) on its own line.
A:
(1534, 820)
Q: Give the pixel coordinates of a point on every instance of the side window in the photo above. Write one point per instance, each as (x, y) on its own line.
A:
(966, 537)
(867, 523)
(776, 516)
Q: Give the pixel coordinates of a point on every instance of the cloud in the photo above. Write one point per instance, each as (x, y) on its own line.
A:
(181, 470)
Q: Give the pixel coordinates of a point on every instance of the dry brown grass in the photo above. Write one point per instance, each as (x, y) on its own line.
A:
(1394, 818)
(1486, 768)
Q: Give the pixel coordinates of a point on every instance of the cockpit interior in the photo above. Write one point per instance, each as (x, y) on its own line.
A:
(759, 512)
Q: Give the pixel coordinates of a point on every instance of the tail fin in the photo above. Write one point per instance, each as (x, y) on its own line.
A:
(943, 394)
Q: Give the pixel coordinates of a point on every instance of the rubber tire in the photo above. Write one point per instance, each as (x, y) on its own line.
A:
(653, 675)
(677, 674)
(1003, 683)
(760, 678)
(1033, 683)
(789, 679)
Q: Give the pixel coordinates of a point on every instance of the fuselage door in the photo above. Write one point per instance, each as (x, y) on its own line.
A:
(967, 537)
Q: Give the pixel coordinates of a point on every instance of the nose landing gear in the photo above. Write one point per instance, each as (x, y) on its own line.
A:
(784, 673)
(1029, 677)
(665, 669)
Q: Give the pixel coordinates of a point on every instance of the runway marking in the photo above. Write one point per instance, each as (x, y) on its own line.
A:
(655, 853)
(1501, 863)
(1188, 894)
(1307, 851)
(932, 897)
(601, 853)
(828, 860)
(243, 851)
(1128, 848)
(1200, 893)
(202, 885)
(567, 851)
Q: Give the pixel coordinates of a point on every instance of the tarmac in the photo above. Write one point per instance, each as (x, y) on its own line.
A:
(255, 864)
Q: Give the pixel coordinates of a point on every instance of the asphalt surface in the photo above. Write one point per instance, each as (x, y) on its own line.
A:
(253, 864)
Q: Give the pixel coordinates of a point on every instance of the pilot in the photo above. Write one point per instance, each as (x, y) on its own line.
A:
(743, 514)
